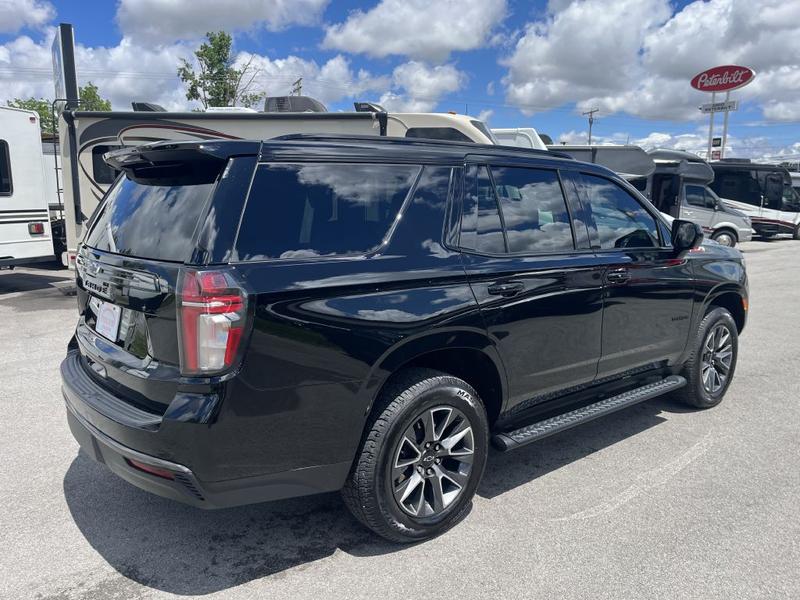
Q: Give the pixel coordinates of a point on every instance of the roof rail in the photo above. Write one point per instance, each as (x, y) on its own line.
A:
(346, 137)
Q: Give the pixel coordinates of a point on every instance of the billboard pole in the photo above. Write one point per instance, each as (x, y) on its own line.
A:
(711, 124)
(725, 127)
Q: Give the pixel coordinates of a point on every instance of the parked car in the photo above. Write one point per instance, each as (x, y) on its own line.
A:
(267, 320)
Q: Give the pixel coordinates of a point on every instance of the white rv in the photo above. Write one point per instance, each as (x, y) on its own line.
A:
(87, 136)
(762, 191)
(25, 234)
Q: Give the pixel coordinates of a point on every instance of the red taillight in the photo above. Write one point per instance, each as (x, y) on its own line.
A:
(212, 314)
(157, 471)
(36, 228)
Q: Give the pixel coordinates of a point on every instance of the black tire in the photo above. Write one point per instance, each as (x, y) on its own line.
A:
(696, 392)
(369, 492)
(725, 235)
(796, 234)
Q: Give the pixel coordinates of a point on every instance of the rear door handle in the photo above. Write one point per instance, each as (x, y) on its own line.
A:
(505, 289)
(618, 276)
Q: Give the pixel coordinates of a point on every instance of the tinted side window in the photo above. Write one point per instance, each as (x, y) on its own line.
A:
(102, 172)
(424, 216)
(696, 196)
(314, 209)
(437, 133)
(741, 186)
(5, 170)
(534, 210)
(619, 219)
(481, 228)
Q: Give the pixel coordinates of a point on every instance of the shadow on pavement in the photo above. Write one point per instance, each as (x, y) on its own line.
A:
(508, 470)
(184, 550)
(28, 280)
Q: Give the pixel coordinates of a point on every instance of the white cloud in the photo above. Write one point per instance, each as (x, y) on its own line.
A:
(419, 87)
(637, 57)
(130, 71)
(122, 73)
(329, 82)
(16, 14)
(485, 115)
(419, 29)
(165, 21)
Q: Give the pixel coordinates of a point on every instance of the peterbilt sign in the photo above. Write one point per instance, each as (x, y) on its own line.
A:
(723, 79)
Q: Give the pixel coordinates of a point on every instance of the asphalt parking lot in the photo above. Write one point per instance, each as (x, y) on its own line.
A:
(653, 502)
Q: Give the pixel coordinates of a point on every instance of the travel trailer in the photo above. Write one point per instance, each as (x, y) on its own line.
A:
(88, 136)
(675, 182)
(522, 137)
(25, 232)
(764, 192)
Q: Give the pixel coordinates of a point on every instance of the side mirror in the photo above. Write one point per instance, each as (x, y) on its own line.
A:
(686, 235)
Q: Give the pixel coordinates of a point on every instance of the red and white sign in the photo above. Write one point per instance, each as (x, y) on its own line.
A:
(723, 79)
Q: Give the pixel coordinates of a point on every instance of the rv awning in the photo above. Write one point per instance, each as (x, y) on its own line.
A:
(627, 161)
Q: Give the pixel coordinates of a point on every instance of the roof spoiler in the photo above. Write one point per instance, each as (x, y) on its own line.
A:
(182, 163)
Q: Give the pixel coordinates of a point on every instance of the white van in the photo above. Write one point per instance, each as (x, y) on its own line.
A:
(25, 234)
(87, 136)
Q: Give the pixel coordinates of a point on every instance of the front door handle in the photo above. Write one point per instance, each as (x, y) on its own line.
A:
(505, 289)
(618, 276)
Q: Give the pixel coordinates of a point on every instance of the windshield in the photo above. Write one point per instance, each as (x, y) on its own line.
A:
(149, 221)
(481, 126)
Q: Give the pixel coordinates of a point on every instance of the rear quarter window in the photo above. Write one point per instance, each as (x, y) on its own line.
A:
(149, 221)
(306, 210)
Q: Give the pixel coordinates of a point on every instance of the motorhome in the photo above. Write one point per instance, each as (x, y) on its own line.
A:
(679, 187)
(675, 182)
(88, 136)
(522, 137)
(25, 233)
(763, 191)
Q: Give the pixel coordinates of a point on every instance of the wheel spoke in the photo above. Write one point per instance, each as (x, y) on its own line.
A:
(724, 339)
(403, 458)
(409, 487)
(428, 426)
(438, 494)
(462, 432)
(457, 477)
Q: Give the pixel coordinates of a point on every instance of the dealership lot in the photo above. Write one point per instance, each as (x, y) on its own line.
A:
(655, 501)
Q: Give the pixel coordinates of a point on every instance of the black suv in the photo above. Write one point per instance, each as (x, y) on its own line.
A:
(308, 314)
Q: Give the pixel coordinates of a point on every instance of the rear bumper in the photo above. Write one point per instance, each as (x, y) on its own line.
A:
(99, 436)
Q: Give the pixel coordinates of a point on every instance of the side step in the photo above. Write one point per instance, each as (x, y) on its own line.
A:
(511, 440)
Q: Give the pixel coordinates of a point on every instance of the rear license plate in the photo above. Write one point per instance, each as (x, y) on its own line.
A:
(108, 316)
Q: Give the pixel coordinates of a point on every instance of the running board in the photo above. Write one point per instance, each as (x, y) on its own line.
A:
(511, 440)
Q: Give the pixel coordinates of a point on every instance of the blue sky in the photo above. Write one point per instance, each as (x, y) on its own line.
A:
(515, 63)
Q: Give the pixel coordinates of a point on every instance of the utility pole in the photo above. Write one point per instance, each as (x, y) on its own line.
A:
(297, 87)
(590, 114)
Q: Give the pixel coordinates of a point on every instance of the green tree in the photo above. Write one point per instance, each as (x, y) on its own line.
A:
(90, 99)
(217, 82)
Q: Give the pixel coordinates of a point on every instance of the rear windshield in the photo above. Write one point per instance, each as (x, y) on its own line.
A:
(149, 221)
(312, 209)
